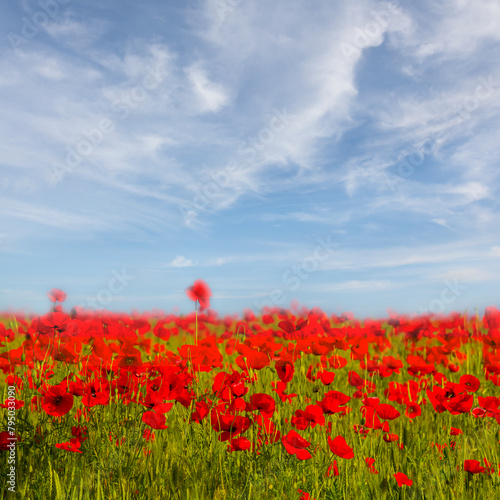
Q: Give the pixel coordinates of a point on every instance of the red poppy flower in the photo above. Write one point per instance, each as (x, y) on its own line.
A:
(56, 295)
(290, 328)
(330, 405)
(267, 429)
(473, 466)
(73, 445)
(455, 432)
(373, 402)
(478, 412)
(202, 410)
(154, 420)
(340, 447)
(230, 425)
(359, 429)
(262, 402)
(387, 412)
(342, 398)
(326, 377)
(392, 364)
(154, 401)
(148, 435)
(200, 292)
(355, 380)
(279, 388)
(295, 444)
(18, 403)
(129, 357)
(53, 322)
(402, 479)
(470, 383)
(371, 418)
(460, 404)
(359, 349)
(369, 462)
(80, 432)
(299, 421)
(161, 332)
(305, 495)
(312, 415)
(413, 410)
(254, 359)
(337, 362)
(56, 401)
(390, 438)
(284, 369)
(7, 441)
(239, 444)
(96, 393)
(333, 467)
(490, 403)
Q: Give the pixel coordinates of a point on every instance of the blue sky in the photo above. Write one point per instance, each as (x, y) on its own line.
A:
(343, 154)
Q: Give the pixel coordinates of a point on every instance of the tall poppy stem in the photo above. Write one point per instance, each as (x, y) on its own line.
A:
(196, 322)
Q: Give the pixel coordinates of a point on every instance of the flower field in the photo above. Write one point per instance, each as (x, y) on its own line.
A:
(292, 404)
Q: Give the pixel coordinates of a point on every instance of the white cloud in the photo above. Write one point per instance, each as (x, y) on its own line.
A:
(472, 275)
(50, 69)
(357, 285)
(468, 192)
(305, 69)
(46, 216)
(181, 261)
(495, 251)
(211, 97)
(219, 261)
(316, 217)
(399, 256)
(76, 34)
(447, 35)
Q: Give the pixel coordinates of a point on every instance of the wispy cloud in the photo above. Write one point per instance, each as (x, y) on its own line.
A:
(211, 97)
(181, 261)
(355, 285)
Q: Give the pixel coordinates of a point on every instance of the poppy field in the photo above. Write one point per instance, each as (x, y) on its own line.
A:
(294, 404)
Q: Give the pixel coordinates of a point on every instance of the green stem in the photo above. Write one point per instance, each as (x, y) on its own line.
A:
(196, 322)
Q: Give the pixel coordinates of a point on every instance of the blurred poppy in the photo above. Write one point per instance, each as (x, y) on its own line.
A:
(201, 293)
(56, 295)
